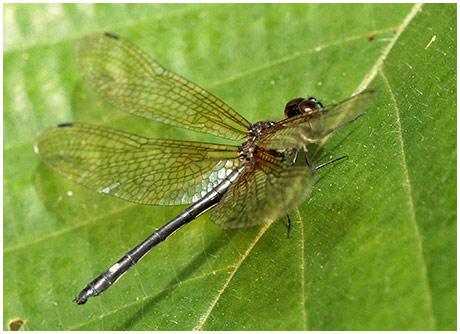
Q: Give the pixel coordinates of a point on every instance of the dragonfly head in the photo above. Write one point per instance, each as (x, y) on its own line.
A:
(300, 105)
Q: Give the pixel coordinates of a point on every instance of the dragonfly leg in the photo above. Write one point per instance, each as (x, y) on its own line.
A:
(289, 225)
(294, 159)
(330, 162)
(307, 159)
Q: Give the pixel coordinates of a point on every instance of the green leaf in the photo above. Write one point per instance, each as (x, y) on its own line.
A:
(372, 248)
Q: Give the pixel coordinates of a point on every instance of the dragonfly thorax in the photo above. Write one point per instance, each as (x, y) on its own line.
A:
(255, 131)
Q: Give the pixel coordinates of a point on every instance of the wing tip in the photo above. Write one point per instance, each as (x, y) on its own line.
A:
(111, 35)
(371, 91)
(65, 125)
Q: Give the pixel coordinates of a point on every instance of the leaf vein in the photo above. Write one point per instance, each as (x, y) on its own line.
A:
(302, 272)
(410, 203)
(379, 64)
(205, 316)
(137, 301)
(67, 229)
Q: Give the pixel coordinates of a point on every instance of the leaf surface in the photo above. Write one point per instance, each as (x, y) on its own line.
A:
(372, 248)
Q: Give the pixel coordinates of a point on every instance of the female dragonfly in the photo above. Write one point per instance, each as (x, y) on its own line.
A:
(248, 184)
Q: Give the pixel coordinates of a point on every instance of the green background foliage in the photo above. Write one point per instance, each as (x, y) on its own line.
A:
(372, 248)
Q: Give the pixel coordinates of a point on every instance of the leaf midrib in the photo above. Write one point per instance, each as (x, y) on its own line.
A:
(411, 208)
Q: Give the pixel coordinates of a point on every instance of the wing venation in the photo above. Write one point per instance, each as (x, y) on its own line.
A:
(135, 83)
(310, 127)
(135, 168)
(263, 191)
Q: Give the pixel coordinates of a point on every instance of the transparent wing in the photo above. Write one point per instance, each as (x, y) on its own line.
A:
(134, 168)
(296, 131)
(135, 83)
(263, 191)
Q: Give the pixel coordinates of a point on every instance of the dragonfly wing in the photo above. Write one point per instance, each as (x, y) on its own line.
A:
(134, 168)
(313, 126)
(135, 83)
(263, 191)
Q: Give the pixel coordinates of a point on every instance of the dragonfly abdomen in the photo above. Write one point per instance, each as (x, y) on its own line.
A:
(106, 279)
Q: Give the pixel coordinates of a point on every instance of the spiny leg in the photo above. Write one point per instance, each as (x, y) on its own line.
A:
(307, 159)
(330, 162)
(294, 159)
(289, 225)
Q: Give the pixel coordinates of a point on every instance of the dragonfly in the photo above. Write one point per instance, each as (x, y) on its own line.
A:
(251, 183)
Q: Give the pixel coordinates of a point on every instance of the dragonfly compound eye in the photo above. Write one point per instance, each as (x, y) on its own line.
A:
(314, 103)
(309, 105)
(292, 107)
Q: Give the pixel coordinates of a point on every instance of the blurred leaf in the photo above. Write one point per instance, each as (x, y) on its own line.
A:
(372, 248)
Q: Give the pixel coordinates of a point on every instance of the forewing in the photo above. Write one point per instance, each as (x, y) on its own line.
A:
(311, 127)
(134, 168)
(135, 83)
(263, 191)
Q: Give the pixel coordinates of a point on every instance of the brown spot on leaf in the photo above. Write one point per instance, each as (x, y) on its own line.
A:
(16, 324)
